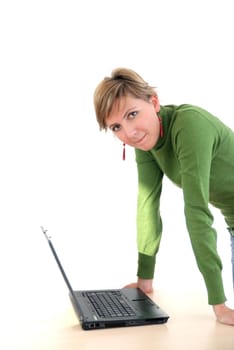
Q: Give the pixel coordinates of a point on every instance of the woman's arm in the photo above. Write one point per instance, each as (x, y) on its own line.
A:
(196, 141)
(149, 225)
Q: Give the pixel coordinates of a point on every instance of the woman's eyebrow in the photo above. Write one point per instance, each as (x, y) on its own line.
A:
(123, 117)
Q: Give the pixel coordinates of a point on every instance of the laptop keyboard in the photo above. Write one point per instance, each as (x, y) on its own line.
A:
(109, 304)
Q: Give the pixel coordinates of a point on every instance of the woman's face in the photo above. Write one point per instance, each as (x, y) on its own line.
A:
(135, 122)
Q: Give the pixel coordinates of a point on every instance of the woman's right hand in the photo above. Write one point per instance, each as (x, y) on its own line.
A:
(224, 314)
(146, 285)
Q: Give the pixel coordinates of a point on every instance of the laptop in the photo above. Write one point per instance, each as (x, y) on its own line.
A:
(99, 309)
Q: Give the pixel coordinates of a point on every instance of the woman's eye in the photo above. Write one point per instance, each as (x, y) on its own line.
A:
(115, 128)
(132, 115)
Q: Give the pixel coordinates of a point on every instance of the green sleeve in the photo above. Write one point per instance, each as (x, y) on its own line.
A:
(149, 224)
(196, 141)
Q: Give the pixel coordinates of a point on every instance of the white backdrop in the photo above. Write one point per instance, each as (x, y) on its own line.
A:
(60, 171)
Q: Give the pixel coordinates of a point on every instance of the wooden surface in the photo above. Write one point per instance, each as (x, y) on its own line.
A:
(52, 325)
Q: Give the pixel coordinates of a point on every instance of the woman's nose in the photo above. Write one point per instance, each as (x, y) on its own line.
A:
(130, 131)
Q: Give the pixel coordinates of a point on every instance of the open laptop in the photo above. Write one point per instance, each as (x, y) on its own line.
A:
(98, 309)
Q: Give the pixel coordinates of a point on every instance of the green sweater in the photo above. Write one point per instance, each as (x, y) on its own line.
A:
(196, 153)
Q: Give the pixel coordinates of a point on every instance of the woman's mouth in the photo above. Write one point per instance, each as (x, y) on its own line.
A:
(140, 141)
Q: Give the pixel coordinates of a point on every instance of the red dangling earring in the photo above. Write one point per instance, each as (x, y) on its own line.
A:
(123, 151)
(160, 126)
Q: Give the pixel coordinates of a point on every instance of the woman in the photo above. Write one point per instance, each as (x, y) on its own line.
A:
(192, 148)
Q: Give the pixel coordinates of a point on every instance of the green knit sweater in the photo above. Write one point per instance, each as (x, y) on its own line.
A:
(196, 153)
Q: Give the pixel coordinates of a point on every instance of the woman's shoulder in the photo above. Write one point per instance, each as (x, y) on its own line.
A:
(187, 114)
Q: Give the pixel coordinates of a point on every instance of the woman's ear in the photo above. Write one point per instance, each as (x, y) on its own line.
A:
(155, 101)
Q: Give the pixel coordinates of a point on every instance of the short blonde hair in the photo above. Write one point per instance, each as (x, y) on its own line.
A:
(122, 82)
